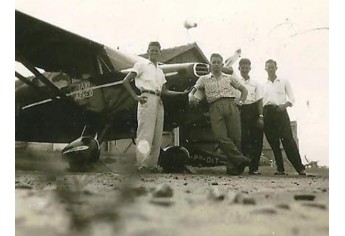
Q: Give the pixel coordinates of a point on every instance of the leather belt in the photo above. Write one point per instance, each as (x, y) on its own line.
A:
(152, 92)
(223, 98)
(270, 106)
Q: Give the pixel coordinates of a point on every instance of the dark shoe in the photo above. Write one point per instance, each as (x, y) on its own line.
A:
(302, 172)
(280, 173)
(231, 169)
(237, 167)
(242, 163)
(255, 172)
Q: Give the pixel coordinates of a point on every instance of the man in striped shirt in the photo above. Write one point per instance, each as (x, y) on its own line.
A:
(220, 91)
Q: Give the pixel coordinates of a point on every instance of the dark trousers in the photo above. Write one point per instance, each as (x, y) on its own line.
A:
(252, 135)
(278, 128)
(226, 127)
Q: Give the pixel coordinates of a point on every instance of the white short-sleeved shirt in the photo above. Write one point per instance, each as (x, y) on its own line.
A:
(215, 88)
(255, 91)
(278, 92)
(149, 77)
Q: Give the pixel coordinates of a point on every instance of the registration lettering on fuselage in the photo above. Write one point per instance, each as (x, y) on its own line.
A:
(83, 90)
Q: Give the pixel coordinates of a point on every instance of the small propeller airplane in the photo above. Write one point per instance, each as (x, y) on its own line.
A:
(76, 96)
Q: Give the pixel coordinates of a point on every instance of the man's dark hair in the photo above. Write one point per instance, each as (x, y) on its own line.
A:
(244, 61)
(216, 55)
(155, 43)
(271, 61)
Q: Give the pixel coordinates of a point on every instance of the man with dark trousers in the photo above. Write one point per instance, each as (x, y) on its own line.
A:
(220, 90)
(277, 97)
(251, 118)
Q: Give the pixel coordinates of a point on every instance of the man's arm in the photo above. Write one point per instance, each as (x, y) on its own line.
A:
(193, 91)
(260, 108)
(171, 93)
(260, 122)
(289, 93)
(126, 83)
(283, 107)
(198, 85)
(234, 81)
(259, 97)
(291, 98)
(244, 93)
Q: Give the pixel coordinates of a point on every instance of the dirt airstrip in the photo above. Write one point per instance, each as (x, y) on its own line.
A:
(116, 201)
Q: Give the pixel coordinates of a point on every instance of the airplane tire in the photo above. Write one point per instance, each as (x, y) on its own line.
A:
(81, 153)
(173, 159)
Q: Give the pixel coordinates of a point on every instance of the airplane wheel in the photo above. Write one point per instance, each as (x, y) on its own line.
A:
(173, 159)
(81, 153)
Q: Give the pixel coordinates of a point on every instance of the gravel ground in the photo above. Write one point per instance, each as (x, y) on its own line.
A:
(116, 201)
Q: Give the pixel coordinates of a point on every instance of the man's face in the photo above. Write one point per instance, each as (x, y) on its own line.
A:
(216, 64)
(271, 68)
(244, 69)
(154, 51)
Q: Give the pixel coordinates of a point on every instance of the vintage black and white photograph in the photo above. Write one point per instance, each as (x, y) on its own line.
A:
(184, 117)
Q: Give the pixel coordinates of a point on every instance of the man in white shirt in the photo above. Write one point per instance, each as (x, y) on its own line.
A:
(251, 117)
(150, 80)
(277, 97)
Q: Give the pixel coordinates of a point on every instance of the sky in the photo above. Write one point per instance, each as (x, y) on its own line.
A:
(294, 33)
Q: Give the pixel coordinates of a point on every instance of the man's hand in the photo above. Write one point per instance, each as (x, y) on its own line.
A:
(142, 99)
(239, 103)
(260, 123)
(187, 90)
(282, 107)
(193, 101)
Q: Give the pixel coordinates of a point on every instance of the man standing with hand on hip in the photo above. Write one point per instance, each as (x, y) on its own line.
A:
(251, 117)
(150, 80)
(277, 97)
(220, 91)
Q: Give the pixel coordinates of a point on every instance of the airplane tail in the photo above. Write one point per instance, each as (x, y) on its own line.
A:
(232, 59)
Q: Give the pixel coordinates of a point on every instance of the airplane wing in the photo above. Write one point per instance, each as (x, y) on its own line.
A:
(53, 49)
(94, 95)
(44, 111)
